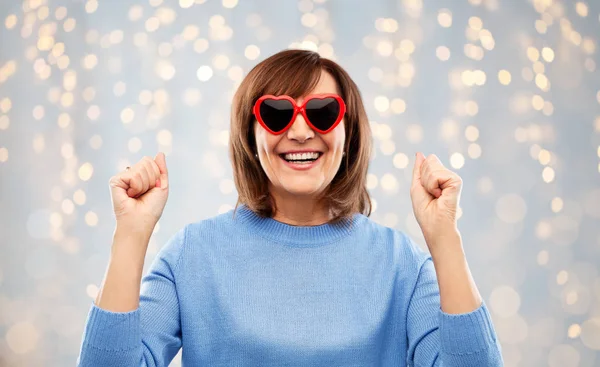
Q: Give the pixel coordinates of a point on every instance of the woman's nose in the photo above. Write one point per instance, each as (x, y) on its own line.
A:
(300, 130)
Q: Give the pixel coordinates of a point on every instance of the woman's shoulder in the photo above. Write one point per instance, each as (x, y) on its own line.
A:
(218, 223)
(402, 243)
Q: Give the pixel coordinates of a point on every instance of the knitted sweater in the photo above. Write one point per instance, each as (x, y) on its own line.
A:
(243, 290)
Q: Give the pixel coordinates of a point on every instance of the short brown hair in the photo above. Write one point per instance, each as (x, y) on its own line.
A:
(295, 73)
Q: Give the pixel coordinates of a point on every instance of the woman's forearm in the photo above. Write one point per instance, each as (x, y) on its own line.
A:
(458, 292)
(120, 289)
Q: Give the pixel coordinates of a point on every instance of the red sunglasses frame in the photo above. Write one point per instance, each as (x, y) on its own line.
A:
(299, 109)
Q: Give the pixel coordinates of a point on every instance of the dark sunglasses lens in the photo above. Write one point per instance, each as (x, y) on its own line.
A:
(276, 113)
(323, 112)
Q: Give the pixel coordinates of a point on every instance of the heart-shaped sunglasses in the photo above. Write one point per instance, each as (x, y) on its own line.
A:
(323, 112)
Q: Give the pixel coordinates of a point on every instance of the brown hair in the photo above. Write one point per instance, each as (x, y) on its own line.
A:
(296, 73)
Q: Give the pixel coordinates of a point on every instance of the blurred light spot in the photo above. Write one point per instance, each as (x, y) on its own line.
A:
(186, 3)
(385, 48)
(562, 277)
(563, 355)
(79, 197)
(474, 150)
(400, 160)
(229, 4)
(93, 112)
(389, 183)
(471, 108)
(414, 133)
(445, 18)
(590, 333)
(224, 208)
(22, 337)
(69, 25)
(252, 52)
(127, 115)
(375, 74)
(164, 137)
(557, 204)
(512, 330)
(548, 174)
(505, 301)
(38, 143)
(371, 181)
(38, 112)
(442, 53)
(388, 147)
(145, 97)
(10, 21)
(136, 12)
(91, 219)
(85, 171)
(309, 20)
(511, 208)
(96, 142)
(91, 6)
(4, 122)
(382, 103)
(164, 69)
(3, 154)
(134, 145)
(472, 133)
(226, 186)
(191, 96)
(548, 54)
(92, 291)
(152, 24)
(475, 23)
(204, 73)
(90, 61)
(504, 77)
(543, 230)
(457, 160)
(253, 20)
(574, 331)
(200, 45)
(119, 89)
(140, 39)
(541, 26)
(221, 62)
(67, 206)
(543, 257)
(537, 102)
(533, 54)
(581, 8)
(544, 157)
(398, 106)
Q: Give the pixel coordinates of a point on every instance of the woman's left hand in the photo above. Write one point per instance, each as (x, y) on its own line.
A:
(435, 193)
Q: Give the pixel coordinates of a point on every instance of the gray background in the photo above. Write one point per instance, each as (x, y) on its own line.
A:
(88, 88)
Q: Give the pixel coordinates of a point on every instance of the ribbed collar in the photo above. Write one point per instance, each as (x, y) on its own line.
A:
(297, 235)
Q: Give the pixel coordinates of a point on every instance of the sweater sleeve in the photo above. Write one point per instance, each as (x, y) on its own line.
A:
(147, 336)
(436, 338)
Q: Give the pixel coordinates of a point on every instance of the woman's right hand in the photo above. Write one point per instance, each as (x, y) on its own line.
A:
(139, 194)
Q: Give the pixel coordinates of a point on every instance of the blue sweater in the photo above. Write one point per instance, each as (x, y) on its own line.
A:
(250, 291)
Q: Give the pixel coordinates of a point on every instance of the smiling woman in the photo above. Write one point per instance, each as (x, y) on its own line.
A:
(297, 274)
(316, 108)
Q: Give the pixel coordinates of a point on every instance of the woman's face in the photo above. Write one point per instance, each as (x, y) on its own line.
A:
(293, 178)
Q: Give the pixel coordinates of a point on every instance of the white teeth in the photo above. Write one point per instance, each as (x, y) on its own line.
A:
(301, 156)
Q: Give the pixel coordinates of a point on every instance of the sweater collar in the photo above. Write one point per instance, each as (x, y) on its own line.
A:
(297, 235)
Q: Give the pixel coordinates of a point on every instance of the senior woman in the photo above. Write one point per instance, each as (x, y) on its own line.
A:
(297, 274)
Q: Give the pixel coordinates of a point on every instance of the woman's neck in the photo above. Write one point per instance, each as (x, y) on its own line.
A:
(300, 210)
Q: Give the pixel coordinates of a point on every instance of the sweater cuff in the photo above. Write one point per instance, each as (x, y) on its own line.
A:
(114, 331)
(466, 333)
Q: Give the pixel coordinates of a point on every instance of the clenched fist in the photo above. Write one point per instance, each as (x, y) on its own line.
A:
(139, 194)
